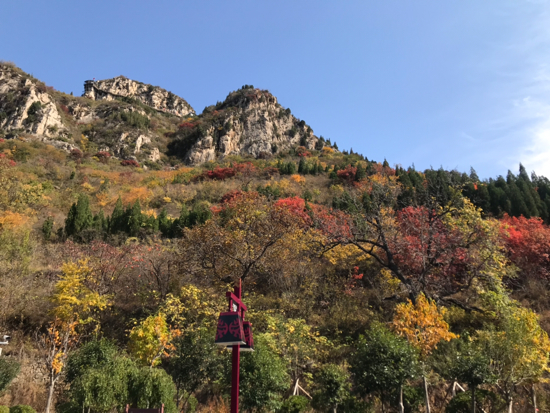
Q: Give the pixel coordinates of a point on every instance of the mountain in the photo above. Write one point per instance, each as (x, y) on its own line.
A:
(249, 122)
(152, 96)
(133, 120)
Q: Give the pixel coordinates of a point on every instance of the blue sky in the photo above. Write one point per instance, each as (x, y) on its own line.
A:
(435, 83)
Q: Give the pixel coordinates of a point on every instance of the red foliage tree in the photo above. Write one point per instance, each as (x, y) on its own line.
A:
(527, 243)
(347, 175)
(296, 207)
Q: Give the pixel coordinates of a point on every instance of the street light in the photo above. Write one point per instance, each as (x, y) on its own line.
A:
(233, 332)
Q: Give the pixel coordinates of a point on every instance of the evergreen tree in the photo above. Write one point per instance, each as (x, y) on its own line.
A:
(302, 166)
(47, 228)
(523, 174)
(473, 175)
(80, 217)
(164, 224)
(360, 173)
(117, 222)
(135, 219)
(386, 164)
(290, 168)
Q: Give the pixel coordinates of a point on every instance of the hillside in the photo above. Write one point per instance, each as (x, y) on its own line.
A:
(123, 224)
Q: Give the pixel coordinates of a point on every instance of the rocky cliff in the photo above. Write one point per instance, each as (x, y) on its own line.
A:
(26, 105)
(132, 120)
(249, 122)
(152, 96)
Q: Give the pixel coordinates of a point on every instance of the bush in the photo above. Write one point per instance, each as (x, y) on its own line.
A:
(4, 409)
(486, 399)
(9, 369)
(22, 408)
(130, 162)
(294, 404)
(76, 154)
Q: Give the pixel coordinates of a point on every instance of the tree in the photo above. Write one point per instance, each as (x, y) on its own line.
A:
(98, 377)
(149, 388)
(73, 308)
(300, 346)
(464, 361)
(527, 244)
(333, 387)
(382, 363)
(152, 339)
(263, 377)
(438, 250)
(247, 237)
(518, 348)
(423, 325)
(80, 217)
(195, 361)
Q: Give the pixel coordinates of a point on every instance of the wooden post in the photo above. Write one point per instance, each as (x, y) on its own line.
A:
(426, 395)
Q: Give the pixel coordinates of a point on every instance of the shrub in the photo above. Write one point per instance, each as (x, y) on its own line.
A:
(4, 409)
(130, 162)
(22, 408)
(295, 404)
(218, 173)
(76, 154)
(103, 156)
(8, 371)
(302, 151)
(347, 174)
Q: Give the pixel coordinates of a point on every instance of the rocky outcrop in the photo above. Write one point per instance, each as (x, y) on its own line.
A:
(152, 96)
(134, 120)
(249, 122)
(26, 106)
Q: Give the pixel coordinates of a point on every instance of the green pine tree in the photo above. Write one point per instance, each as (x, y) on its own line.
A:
(164, 224)
(302, 166)
(360, 173)
(135, 219)
(80, 217)
(117, 222)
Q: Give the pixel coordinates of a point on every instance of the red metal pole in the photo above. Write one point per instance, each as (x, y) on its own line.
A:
(235, 365)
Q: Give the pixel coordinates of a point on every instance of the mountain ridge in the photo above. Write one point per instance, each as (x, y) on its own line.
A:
(136, 121)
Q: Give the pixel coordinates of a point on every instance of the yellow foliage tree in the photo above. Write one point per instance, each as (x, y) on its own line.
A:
(73, 307)
(152, 339)
(424, 326)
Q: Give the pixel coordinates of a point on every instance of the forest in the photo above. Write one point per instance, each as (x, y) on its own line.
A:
(370, 287)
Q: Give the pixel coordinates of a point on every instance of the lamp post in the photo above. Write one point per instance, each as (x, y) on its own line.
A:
(233, 332)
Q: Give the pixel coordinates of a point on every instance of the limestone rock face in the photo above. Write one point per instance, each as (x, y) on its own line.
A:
(25, 105)
(152, 96)
(249, 122)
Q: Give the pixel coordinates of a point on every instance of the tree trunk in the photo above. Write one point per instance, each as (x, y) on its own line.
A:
(534, 398)
(510, 405)
(473, 399)
(401, 405)
(426, 395)
(50, 394)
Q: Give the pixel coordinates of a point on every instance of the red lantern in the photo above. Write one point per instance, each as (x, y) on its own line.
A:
(249, 346)
(230, 329)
